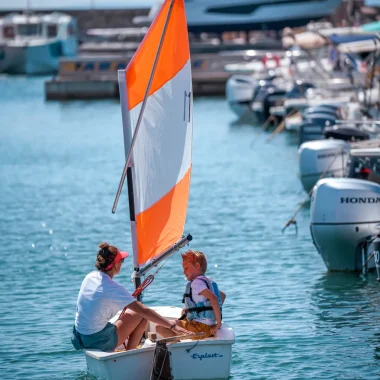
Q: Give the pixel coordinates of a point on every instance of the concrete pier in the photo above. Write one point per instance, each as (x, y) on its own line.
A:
(94, 77)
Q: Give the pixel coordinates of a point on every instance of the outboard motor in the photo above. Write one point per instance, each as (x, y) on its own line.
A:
(344, 214)
(262, 91)
(298, 90)
(322, 156)
(376, 254)
(346, 133)
(324, 109)
(274, 97)
(314, 125)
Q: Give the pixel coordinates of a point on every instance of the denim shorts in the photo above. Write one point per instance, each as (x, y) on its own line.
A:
(104, 340)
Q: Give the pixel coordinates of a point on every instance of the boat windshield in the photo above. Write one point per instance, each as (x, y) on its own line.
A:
(29, 29)
(364, 167)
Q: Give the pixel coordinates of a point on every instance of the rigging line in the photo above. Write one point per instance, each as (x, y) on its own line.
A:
(149, 279)
(291, 220)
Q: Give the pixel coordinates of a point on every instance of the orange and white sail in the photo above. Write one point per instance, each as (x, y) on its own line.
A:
(161, 155)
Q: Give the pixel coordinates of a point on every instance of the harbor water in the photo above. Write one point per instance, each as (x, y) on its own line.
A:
(60, 167)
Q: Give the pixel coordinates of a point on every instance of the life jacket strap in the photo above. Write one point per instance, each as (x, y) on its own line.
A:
(198, 309)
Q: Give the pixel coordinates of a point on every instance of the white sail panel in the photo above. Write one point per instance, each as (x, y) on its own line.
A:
(162, 153)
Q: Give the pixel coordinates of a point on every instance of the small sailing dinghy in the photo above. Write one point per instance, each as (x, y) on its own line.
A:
(156, 103)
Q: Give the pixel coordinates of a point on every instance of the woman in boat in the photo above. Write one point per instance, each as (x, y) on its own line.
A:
(99, 300)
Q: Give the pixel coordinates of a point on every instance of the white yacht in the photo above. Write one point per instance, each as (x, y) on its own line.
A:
(223, 15)
(217, 16)
(34, 43)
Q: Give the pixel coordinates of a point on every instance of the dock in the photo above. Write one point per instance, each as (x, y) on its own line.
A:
(93, 74)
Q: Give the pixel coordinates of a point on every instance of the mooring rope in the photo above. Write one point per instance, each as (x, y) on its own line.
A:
(291, 220)
(281, 126)
(266, 125)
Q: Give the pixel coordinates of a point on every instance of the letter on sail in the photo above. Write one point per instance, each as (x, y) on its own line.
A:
(162, 151)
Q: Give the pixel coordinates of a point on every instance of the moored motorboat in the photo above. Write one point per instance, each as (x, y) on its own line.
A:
(34, 43)
(217, 16)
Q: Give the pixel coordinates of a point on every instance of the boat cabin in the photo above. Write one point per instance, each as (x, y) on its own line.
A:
(37, 26)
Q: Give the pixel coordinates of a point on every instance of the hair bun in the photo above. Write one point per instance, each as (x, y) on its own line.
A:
(103, 245)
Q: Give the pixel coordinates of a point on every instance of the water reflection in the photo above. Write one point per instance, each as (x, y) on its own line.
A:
(347, 305)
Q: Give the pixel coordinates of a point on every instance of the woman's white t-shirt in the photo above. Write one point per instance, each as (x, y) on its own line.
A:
(99, 299)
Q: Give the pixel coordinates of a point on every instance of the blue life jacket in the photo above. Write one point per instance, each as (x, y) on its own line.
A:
(201, 309)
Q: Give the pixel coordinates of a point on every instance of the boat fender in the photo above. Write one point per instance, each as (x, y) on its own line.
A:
(268, 60)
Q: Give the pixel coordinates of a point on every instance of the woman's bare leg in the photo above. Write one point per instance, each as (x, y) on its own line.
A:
(135, 336)
(126, 326)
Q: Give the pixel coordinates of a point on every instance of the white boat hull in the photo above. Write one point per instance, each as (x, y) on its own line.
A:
(239, 94)
(204, 359)
(222, 15)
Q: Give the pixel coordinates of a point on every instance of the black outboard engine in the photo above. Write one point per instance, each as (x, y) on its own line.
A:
(376, 253)
(261, 93)
(274, 97)
(314, 125)
(324, 109)
(299, 89)
(346, 133)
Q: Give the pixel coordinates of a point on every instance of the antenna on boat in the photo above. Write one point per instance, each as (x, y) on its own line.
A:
(129, 155)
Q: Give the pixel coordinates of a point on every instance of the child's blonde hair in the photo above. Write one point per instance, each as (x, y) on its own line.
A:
(196, 257)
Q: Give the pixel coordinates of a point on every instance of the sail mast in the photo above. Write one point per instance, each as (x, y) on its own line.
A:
(127, 133)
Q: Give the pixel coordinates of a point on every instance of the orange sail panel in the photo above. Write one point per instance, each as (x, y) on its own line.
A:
(162, 151)
(174, 54)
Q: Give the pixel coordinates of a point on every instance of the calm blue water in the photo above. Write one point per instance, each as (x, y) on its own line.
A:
(60, 167)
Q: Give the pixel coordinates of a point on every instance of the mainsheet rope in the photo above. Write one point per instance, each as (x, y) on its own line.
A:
(142, 287)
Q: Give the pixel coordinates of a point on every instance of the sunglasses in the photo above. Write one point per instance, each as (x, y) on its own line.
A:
(122, 260)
